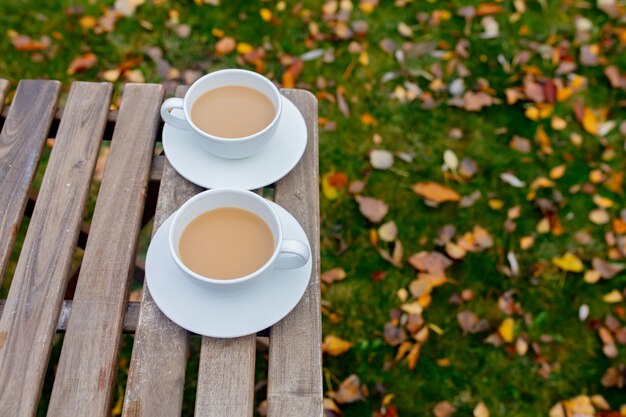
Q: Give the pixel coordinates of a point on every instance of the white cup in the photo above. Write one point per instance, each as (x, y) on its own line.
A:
(231, 148)
(287, 253)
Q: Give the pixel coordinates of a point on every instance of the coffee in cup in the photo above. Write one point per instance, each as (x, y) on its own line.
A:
(228, 236)
(234, 113)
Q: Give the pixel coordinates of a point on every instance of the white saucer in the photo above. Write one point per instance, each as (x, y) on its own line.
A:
(200, 309)
(192, 161)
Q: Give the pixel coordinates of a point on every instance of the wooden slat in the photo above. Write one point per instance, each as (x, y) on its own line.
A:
(157, 368)
(295, 365)
(226, 377)
(130, 317)
(156, 170)
(88, 365)
(32, 308)
(21, 145)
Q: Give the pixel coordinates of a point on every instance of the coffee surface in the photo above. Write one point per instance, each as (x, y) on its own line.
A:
(232, 112)
(226, 243)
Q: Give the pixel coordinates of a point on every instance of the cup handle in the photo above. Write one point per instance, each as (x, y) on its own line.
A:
(169, 118)
(293, 254)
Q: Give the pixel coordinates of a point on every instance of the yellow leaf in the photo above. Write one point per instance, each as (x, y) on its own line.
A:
(364, 58)
(435, 192)
(613, 297)
(413, 356)
(495, 204)
(590, 122)
(506, 329)
(412, 308)
(557, 172)
(218, 33)
(402, 294)
(532, 113)
(596, 176)
(602, 201)
(543, 226)
(568, 262)
(244, 48)
(435, 328)
(592, 276)
(526, 242)
(481, 410)
(387, 400)
(117, 410)
(558, 123)
(541, 182)
(88, 22)
(541, 137)
(335, 346)
(266, 14)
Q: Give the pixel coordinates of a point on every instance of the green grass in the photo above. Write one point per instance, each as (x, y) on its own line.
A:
(509, 384)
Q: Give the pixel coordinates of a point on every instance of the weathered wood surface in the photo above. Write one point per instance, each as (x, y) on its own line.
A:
(226, 377)
(157, 369)
(295, 365)
(21, 144)
(87, 368)
(131, 316)
(31, 312)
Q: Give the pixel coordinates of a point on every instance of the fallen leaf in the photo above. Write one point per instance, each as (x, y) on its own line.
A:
(333, 183)
(481, 410)
(88, 22)
(291, 74)
(25, 43)
(127, 7)
(495, 204)
(526, 242)
(520, 144)
(349, 390)
(412, 308)
(454, 251)
(590, 121)
(405, 30)
(413, 356)
(512, 180)
(521, 346)
(433, 263)
(381, 159)
(558, 123)
(450, 160)
(468, 168)
(435, 192)
(568, 262)
(335, 346)
(592, 276)
(266, 14)
(613, 297)
(330, 408)
(393, 334)
(558, 172)
(225, 46)
(443, 409)
(491, 27)
(373, 209)
(388, 231)
(488, 8)
(467, 320)
(82, 63)
(506, 330)
(334, 274)
(470, 200)
(599, 216)
(606, 269)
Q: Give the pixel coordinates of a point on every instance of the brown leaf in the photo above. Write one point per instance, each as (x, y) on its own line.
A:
(476, 101)
(332, 275)
(393, 334)
(349, 390)
(468, 168)
(444, 409)
(467, 320)
(436, 192)
(25, 43)
(534, 91)
(434, 263)
(373, 209)
(341, 101)
(82, 63)
(606, 270)
(520, 144)
(445, 234)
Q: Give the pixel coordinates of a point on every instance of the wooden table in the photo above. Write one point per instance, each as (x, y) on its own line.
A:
(98, 314)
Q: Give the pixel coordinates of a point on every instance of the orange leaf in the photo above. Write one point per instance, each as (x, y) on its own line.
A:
(368, 120)
(82, 63)
(292, 73)
(435, 192)
(488, 8)
(335, 346)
